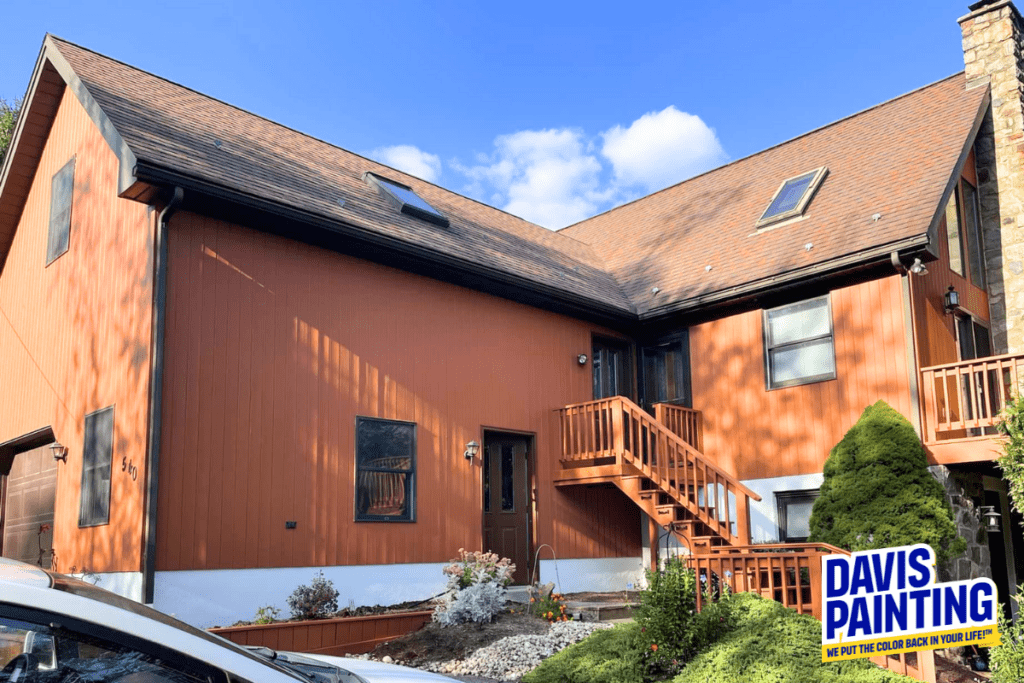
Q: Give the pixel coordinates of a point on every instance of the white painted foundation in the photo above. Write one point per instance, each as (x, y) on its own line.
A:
(764, 514)
(607, 574)
(222, 597)
(125, 584)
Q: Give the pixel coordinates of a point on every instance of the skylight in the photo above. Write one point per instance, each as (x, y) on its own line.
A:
(407, 201)
(792, 197)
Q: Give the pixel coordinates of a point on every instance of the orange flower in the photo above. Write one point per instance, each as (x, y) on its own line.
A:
(550, 614)
(532, 599)
(654, 647)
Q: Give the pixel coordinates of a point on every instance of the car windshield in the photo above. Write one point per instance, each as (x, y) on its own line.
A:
(86, 590)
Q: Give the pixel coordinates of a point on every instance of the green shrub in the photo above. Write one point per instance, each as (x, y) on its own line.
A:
(318, 600)
(769, 643)
(878, 492)
(1012, 461)
(1007, 659)
(608, 656)
(667, 609)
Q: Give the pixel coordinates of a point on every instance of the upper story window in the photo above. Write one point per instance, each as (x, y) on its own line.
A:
(407, 201)
(963, 234)
(799, 344)
(385, 470)
(62, 188)
(792, 197)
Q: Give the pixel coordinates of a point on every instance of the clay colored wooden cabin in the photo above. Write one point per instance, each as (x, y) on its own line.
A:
(263, 355)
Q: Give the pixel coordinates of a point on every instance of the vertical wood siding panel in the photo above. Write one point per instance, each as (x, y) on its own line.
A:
(74, 335)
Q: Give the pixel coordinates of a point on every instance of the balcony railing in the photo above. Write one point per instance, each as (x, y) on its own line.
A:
(963, 400)
(686, 423)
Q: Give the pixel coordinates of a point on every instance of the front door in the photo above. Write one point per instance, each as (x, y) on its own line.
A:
(507, 504)
(613, 374)
(26, 515)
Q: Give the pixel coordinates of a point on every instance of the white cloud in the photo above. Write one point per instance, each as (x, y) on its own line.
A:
(556, 177)
(546, 176)
(661, 148)
(411, 160)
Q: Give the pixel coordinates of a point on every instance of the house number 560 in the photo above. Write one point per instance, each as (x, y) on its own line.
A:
(127, 466)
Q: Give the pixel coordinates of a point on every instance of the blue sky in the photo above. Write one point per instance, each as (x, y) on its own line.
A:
(553, 111)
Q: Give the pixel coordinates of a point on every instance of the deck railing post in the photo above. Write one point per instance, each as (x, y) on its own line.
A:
(618, 431)
(742, 518)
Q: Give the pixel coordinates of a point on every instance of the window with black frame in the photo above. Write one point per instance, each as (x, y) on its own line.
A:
(799, 343)
(97, 454)
(385, 470)
(795, 514)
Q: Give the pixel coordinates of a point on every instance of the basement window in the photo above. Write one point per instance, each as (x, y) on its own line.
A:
(792, 197)
(795, 514)
(407, 201)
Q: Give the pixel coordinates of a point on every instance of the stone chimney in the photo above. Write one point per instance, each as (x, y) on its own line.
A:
(993, 42)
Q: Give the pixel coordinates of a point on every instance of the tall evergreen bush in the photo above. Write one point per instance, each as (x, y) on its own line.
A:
(878, 492)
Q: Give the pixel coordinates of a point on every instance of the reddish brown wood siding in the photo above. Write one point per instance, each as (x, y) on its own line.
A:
(758, 433)
(273, 348)
(75, 336)
(337, 637)
(934, 328)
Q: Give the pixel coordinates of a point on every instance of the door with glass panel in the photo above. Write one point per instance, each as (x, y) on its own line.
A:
(613, 371)
(507, 501)
(665, 373)
(980, 389)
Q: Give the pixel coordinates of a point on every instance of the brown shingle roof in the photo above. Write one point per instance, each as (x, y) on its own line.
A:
(168, 125)
(894, 159)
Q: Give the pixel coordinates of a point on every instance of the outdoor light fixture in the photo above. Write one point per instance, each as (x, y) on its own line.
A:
(59, 452)
(917, 268)
(952, 300)
(581, 359)
(472, 448)
(991, 517)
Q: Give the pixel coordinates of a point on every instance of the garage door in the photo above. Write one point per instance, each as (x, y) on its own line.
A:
(31, 490)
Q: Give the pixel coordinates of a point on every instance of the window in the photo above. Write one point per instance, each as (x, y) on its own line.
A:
(798, 343)
(97, 454)
(792, 197)
(62, 188)
(385, 470)
(972, 230)
(407, 201)
(795, 514)
(954, 236)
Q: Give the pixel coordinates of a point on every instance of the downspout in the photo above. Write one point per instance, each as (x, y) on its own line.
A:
(156, 380)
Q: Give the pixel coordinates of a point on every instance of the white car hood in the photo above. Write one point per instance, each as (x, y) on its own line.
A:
(378, 672)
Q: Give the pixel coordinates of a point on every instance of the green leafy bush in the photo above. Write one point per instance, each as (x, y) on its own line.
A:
(1012, 461)
(607, 656)
(667, 609)
(878, 492)
(763, 642)
(1007, 659)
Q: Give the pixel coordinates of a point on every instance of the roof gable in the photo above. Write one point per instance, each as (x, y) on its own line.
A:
(889, 174)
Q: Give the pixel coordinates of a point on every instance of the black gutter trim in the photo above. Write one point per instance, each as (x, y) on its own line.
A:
(911, 247)
(366, 243)
(156, 380)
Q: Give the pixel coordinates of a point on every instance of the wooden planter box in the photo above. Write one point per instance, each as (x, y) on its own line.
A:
(347, 635)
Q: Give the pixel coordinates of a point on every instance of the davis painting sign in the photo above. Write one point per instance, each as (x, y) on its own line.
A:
(881, 602)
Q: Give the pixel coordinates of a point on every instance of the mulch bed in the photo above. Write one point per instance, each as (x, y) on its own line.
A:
(436, 643)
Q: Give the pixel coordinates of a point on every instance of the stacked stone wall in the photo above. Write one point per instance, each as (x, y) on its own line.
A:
(993, 43)
(966, 494)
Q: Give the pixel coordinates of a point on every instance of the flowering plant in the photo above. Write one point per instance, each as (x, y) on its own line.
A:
(550, 607)
(471, 568)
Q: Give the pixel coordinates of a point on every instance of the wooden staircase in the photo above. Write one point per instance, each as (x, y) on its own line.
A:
(613, 440)
(660, 464)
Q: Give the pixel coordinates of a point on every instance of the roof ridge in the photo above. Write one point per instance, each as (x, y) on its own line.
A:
(768, 149)
(311, 137)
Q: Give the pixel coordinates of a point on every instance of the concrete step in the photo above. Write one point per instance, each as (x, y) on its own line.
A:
(600, 611)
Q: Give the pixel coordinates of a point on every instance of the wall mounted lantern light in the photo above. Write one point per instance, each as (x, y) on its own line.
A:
(472, 448)
(951, 301)
(991, 518)
(59, 451)
(581, 359)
